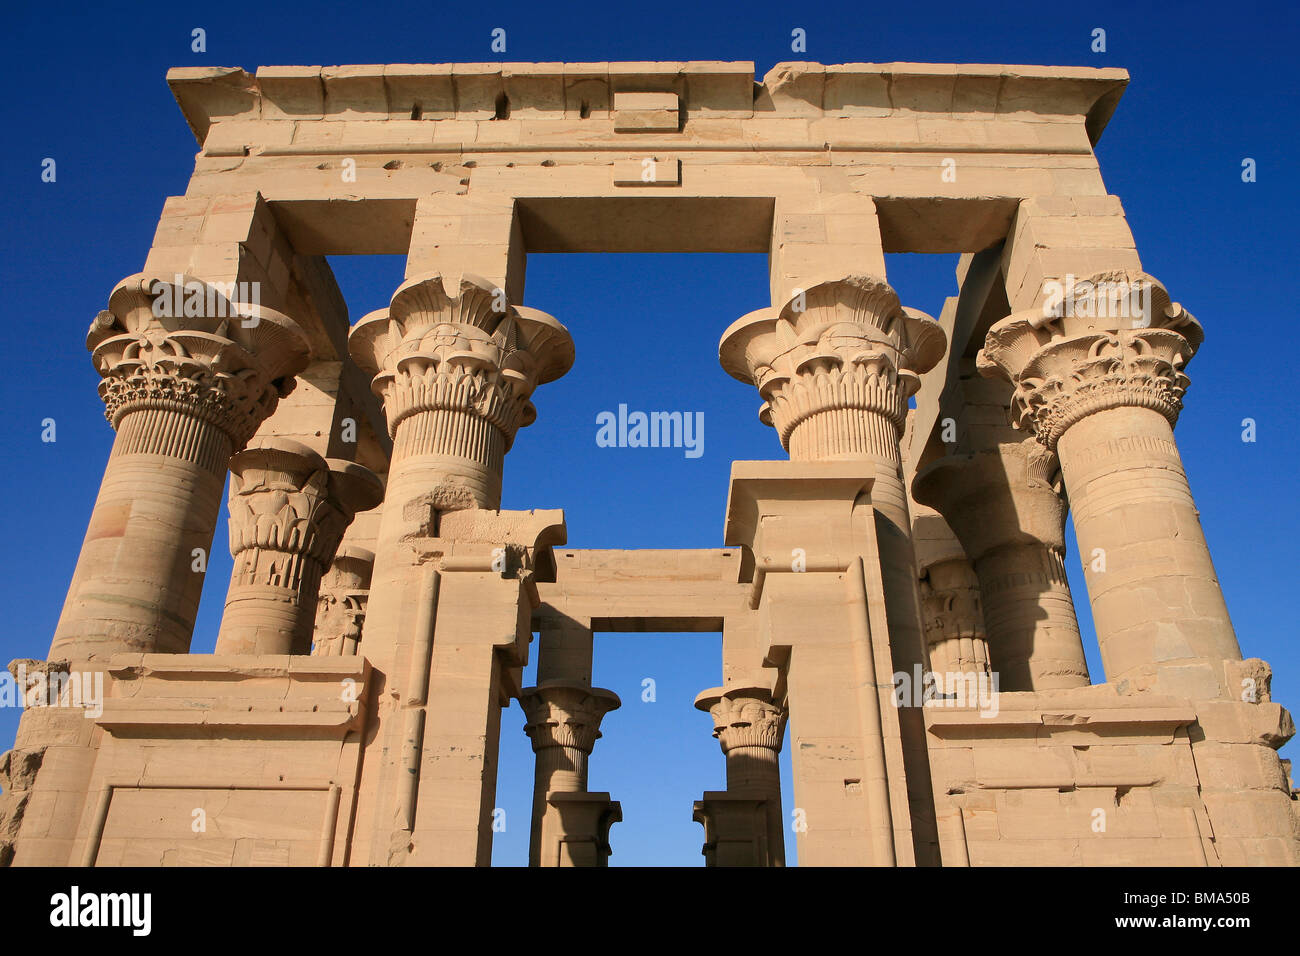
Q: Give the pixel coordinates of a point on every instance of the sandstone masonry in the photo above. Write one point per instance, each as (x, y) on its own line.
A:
(382, 605)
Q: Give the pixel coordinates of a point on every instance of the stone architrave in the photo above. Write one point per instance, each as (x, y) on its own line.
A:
(1099, 380)
(289, 508)
(564, 724)
(188, 376)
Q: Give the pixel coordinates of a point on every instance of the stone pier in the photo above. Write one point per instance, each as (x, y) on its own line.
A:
(836, 366)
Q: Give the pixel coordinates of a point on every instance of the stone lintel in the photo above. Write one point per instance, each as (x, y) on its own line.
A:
(209, 95)
(505, 542)
(652, 590)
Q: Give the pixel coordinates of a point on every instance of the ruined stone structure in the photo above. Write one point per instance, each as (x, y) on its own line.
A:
(382, 606)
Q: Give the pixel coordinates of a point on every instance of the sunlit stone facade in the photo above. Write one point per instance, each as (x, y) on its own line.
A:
(890, 588)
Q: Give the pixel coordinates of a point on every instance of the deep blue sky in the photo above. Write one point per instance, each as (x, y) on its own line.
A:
(1210, 86)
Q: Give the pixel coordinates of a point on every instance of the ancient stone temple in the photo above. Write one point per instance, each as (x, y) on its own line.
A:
(892, 590)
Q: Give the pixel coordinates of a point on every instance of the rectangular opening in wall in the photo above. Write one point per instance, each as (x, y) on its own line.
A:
(645, 330)
(337, 227)
(935, 224)
(672, 224)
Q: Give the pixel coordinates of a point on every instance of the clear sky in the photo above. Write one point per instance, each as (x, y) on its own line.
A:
(1211, 85)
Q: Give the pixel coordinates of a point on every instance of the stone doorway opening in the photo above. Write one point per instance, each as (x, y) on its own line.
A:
(655, 756)
(646, 327)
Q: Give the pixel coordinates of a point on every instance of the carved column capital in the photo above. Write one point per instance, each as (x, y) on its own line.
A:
(341, 606)
(289, 508)
(951, 613)
(565, 714)
(287, 499)
(835, 366)
(465, 350)
(455, 365)
(744, 717)
(1114, 340)
(187, 378)
(178, 344)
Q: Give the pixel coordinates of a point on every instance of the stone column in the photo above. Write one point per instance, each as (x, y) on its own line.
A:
(563, 724)
(950, 597)
(455, 364)
(289, 508)
(954, 622)
(341, 607)
(1010, 518)
(1099, 380)
(835, 367)
(188, 377)
(455, 370)
(750, 729)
